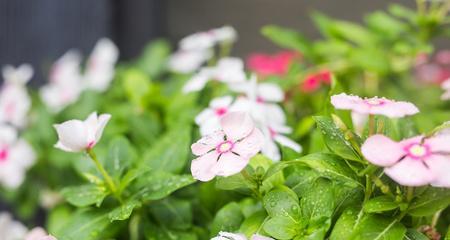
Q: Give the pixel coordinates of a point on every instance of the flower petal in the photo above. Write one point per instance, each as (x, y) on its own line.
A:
(382, 151)
(103, 119)
(395, 109)
(260, 237)
(410, 172)
(250, 145)
(221, 102)
(439, 143)
(202, 167)
(207, 143)
(287, 142)
(439, 165)
(270, 150)
(73, 135)
(347, 102)
(236, 125)
(229, 164)
(270, 92)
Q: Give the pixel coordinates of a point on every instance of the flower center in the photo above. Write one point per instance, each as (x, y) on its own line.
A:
(90, 145)
(259, 99)
(375, 101)
(272, 132)
(225, 147)
(221, 111)
(4, 153)
(417, 150)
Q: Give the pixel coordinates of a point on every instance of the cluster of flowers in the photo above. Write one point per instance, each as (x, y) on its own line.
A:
(236, 128)
(416, 161)
(66, 80)
(13, 230)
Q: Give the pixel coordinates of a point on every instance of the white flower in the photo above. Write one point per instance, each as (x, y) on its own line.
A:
(209, 119)
(16, 156)
(446, 87)
(225, 34)
(228, 70)
(275, 134)
(197, 41)
(100, 66)
(14, 104)
(64, 87)
(38, 234)
(234, 236)
(10, 229)
(260, 92)
(188, 61)
(20, 75)
(77, 135)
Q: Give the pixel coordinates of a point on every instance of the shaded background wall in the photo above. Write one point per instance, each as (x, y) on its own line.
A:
(39, 31)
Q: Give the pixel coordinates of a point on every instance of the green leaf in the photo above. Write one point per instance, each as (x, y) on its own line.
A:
(352, 225)
(136, 85)
(154, 57)
(287, 38)
(282, 201)
(253, 223)
(429, 202)
(120, 155)
(413, 234)
(281, 227)
(158, 185)
(227, 219)
(335, 139)
(380, 204)
(124, 211)
(353, 32)
(317, 204)
(130, 176)
(234, 182)
(85, 195)
(87, 224)
(173, 212)
(170, 153)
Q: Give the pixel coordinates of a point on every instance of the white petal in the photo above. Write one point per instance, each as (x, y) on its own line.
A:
(73, 135)
(221, 102)
(270, 92)
(287, 142)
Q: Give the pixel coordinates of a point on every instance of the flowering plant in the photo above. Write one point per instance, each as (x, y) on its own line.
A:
(191, 145)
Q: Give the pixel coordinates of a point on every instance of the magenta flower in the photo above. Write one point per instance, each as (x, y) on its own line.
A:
(373, 106)
(415, 161)
(265, 64)
(228, 151)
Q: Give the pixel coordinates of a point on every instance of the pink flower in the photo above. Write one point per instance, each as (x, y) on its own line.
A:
(374, 106)
(38, 234)
(314, 81)
(209, 119)
(228, 151)
(415, 161)
(265, 64)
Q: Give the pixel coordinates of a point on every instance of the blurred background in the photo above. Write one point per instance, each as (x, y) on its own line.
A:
(38, 32)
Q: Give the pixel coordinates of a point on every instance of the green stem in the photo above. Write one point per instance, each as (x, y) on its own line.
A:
(368, 191)
(111, 185)
(250, 179)
(372, 126)
(409, 194)
(435, 219)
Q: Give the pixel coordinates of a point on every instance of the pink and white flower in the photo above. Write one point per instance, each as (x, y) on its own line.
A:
(100, 66)
(188, 61)
(228, 151)
(11, 229)
(78, 136)
(276, 134)
(65, 85)
(20, 75)
(237, 236)
(38, 234)
(374, 106)
(14, 99)
(415, 161)
(225, 34)
(16, 156)
(228, 70)
(446, 86)
(209, 119)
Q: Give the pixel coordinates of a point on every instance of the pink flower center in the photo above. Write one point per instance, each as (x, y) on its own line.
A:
(221, 111)
(4, 153)
(224, 147)
(272, 132)
(417, 150)
(90, 145)
(260, 99)
(375, 101)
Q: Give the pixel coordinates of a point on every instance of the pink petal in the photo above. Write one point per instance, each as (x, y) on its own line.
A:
(395, 109)
(381, 150)
(202, 167)
(207, 143)
(410, 172)
(236, 125)
(440, 166)
(349, 102)
(251, 145)
(439, 144)
(229, 164)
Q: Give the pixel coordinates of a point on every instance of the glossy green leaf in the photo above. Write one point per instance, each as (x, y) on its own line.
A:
(429, 202)
(85, 195)
(380, 204)
(281, 227)
(228, 219)
(158, 185)
(173, 212)
(124, 211)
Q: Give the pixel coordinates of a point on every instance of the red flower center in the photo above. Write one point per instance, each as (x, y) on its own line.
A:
(4, 153)
(221, 111)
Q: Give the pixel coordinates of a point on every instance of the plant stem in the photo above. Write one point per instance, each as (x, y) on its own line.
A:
(436, 218)
(368, 191)
(111, 185)
(372, 126)
(250, 179)
(409, 194)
